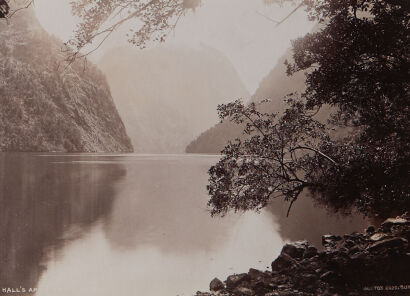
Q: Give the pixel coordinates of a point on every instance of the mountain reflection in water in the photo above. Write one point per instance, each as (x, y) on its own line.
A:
(95, 224)
(43, 205)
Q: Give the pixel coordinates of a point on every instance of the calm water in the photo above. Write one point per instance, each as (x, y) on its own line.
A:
(94, 224)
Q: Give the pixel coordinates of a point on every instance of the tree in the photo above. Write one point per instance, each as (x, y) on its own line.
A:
(268, 162)
(358, 62)
(100, 18)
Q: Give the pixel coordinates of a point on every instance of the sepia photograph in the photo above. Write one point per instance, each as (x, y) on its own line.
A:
(204, 148)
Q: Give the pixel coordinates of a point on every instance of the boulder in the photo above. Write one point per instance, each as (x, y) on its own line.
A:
(310, 251)
(255, 274)
(329, 240)
(216, 285)
(282, 262)
(294, 250)
(235, 280)
(244, 291)
(394, 242)
(378, 236)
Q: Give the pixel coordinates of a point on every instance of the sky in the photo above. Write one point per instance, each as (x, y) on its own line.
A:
(240, 29)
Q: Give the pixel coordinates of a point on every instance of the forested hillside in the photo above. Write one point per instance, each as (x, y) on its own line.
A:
(46, 105)
(274, 87)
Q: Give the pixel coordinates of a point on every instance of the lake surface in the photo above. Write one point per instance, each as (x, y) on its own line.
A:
(105, 224)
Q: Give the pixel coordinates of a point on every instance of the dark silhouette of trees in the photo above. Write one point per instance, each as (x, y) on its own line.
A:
(358, 63)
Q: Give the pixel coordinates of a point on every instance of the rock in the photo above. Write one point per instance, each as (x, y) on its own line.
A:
(397, 220)
(294, 250)
(282, 262)
(388, 223)
(388, 243)
(310, 252)
(378, 236)
(354, 250)
(329, 240)
(328, 275)
(216, 285)
(347, 263)
(349, 243)
(255, 274)
(244, 291)
(306, 279)
(234, 280)
(370, 229)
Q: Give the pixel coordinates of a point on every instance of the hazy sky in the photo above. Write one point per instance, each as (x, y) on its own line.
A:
(235, 27)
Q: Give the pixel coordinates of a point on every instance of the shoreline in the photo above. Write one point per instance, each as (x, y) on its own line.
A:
(376, 262)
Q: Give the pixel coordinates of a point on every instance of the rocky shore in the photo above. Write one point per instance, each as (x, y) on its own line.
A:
(376, 262)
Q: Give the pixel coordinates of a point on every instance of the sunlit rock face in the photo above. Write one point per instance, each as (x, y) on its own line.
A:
(47, 105)
(167, 97)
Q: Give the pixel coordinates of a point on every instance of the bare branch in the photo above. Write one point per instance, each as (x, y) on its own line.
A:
(284, 19)
(25, 6)
(316, 151)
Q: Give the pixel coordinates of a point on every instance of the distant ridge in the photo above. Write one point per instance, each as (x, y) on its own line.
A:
(275, 86)
(167, 96)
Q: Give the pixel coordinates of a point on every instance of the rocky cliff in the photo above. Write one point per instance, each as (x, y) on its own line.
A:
(47, 106)
(168, 96)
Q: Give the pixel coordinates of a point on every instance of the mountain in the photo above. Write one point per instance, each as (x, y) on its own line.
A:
(46, 105)
(167, 96)
(274, 87)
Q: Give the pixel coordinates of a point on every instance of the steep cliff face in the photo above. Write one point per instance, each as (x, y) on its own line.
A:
(46, 106)
(166, 97)
(274, 87)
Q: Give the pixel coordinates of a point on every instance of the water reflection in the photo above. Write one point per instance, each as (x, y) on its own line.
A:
(132, 225)
(159, 238)
(163, 203)
(43, 205)
(309, 221)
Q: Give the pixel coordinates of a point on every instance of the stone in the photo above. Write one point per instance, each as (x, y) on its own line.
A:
(306, 279)
(370, 229)
(244, 291)
(388, 223)
(397, 220)
(388, 243)
(255, 274)
(294, 250)
(216, 285)
(234, 280)
(328, 275)
(282, 262)
(349, 243)
(310, 252)
(329, 240)
(378, 236)
(302, 270)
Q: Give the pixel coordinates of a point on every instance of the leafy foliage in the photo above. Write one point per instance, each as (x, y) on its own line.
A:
(100, 18)
(268, 162)
(358, 62)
